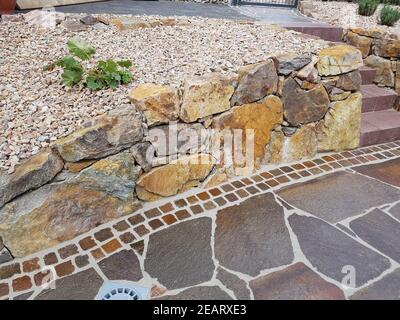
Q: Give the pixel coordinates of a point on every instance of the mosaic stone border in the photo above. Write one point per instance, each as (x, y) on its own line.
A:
(25, 274)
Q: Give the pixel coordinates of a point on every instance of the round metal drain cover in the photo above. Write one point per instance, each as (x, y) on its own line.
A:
(121, 294)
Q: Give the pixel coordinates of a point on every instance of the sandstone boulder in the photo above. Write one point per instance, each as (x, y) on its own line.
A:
(388, 48)
(384, 74)
(372, 33)
(309, 72)
(284, 149)
(290, 62)
(159, 104)
(31, 174)
(206, 95)
(360, 42)
(349, 81)
(300, 106)
(144, 154)
(175, 177)
(255, 82)
(339, 59)
(338, 94)
(341, 127)
(106, 135)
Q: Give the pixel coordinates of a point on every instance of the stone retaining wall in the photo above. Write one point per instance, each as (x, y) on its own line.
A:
(290, 106)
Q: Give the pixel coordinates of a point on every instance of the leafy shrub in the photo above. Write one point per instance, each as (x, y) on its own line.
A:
(106, 74)
(367, 7)
(389, 16)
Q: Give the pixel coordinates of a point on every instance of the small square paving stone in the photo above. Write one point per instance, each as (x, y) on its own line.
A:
(220, 201)
(123, 265)
(182, 214)
(227, 188)
(141, 230)
(338, 196)
(180, 255)
(50, 258)
(242, 193)
(43, 278)
(330, 250)
(138, 247)
(192, 199)
(215, 192)
(234, 283)
(87, 243)
(169, 219)
(21, 284)
(238, 184)
(296, 282)
(152, 213)
(198, 293)
(209, 205)
(197, 209)
(30, 265)
(387, 288)
(81, 286)
(136, 219)
(111, 246)
(121, 226)
(103, 235)
(252, 236)
(253, 190)
(9, 270)
(180, 203)
(155, 224)
(168, 207)
(82, 261)
(65, 269)
(68, 251)
(379, 230)
(203, 196)
(388, 171)
(231, 197)
(97, 253)
(127, 237)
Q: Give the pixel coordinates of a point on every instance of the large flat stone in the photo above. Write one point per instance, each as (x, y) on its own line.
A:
(234, 283)
(252, 236)
(296, 282)
(181, 256)
(337, 196)
(379, 230)
(330, 250)
(123, 265)
(199, 293)
(388, 171)
(387, 288)
(395, 211)
(81, 286)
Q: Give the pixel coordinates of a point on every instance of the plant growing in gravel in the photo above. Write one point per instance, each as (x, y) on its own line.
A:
(389, 15)
(106, 74)
(367, 7)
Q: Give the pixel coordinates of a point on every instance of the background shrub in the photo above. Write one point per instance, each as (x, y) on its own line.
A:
(389, 15)
(367, 7)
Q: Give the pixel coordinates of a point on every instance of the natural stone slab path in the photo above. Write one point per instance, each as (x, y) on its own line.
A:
(326, 228)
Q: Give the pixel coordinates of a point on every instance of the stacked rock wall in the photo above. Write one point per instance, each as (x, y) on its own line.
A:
(169, 140)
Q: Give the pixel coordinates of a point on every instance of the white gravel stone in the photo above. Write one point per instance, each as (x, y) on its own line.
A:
(36, 109)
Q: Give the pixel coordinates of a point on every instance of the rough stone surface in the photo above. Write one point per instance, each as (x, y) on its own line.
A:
(300, 145)
(123, 265)
(205, 96)
(160, 104)
(234, 283)
(338, 94)
(256, 81)
(107, 135)
(290, 62)
(387, 288)
(262, 117)
(338, 196)
(395, 211)
(252, 236)
(300, 106)
(177, 176)
(349, 81)
(388, 171)
(329, 250)
(341, 127)
(360, 42)
(81, 286)
(379, 230)
(184, 260)
(339, 59)
(198, 293)
(309, 72)
(297, 282)
(144, 154)
(31, 174)
(384, 74)
(388, 48)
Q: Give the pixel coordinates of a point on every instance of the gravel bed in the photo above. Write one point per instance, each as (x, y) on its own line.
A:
(345, 15)
(36, 109)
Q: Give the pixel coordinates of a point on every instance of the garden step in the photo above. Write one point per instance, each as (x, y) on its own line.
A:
(380, 127)
(323, 30)
(376, 98)
(367, 75)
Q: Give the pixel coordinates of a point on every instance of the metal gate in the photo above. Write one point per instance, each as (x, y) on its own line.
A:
(272, 3)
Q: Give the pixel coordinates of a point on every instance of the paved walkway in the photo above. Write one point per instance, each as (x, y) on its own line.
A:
(328, 228)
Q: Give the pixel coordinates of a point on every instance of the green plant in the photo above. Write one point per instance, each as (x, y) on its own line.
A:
(367, 7)
(106, 74)
(389, 15)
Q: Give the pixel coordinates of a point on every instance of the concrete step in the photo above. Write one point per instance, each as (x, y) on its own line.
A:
(376, 98)
(322, 30)
(367, 75)
(380, 127)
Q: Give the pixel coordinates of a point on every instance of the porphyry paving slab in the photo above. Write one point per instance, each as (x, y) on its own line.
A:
(379, 230)
(330, 250)
(181, 255)
(395, 211)
(123, 265)
(339, 195)
(252, 236)
(199, 293)
(387, 171)
(387, 288)
(81, 286)
(234, 283)
(296, 282)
